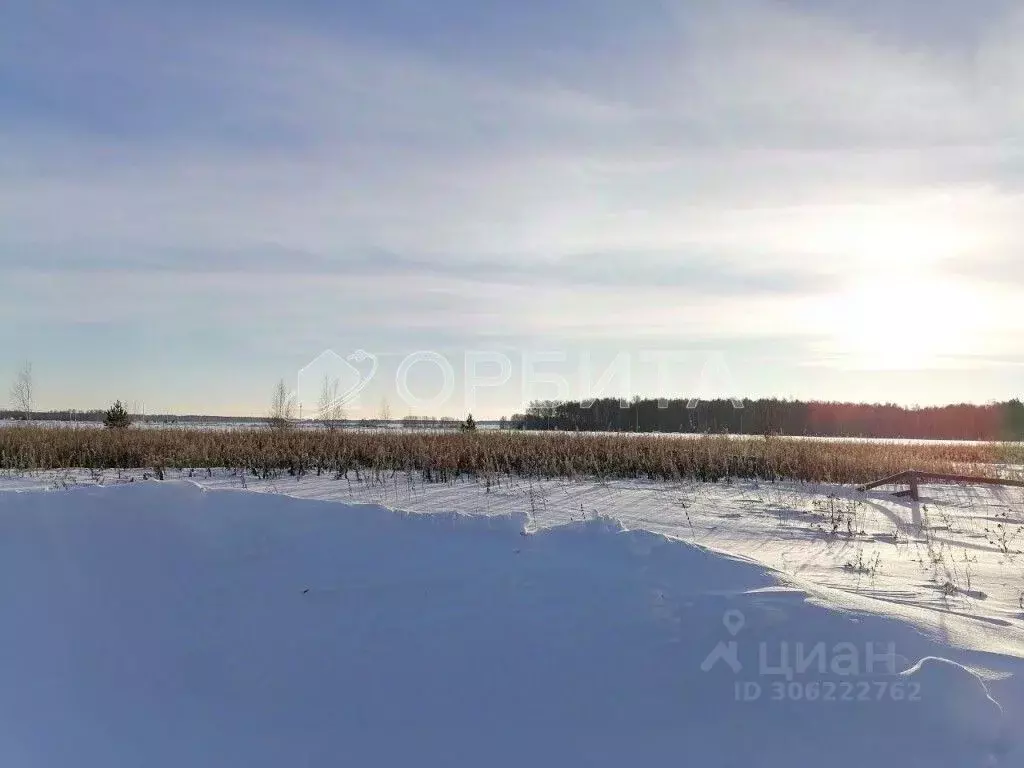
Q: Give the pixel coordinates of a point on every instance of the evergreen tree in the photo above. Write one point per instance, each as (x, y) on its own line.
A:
(116, 417)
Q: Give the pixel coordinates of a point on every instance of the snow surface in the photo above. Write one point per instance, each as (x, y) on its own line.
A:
(944, 564)
(164, 624)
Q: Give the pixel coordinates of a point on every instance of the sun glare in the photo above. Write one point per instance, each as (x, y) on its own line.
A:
(897, 305)
(906, 322)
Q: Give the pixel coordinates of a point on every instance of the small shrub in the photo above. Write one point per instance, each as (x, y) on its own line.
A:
(117, 417)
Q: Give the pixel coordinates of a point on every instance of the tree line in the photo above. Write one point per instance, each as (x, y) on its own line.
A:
(963, 421)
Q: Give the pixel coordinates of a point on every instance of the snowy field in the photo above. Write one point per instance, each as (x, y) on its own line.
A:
(395, 426)
(951, 564)
(218, 621)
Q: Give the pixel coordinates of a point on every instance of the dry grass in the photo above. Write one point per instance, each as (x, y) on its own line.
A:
(446, 456)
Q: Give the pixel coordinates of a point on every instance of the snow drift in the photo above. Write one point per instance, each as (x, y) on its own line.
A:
(159, 624)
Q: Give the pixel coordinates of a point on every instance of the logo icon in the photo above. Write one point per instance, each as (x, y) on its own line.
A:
(727, 652)
(330, 382)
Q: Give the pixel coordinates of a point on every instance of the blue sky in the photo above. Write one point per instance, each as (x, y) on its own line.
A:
(822, 197)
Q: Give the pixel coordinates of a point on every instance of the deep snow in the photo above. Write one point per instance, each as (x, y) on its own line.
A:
(952, 564)
(162, 624)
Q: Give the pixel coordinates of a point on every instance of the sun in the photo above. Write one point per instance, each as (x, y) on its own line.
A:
(904, 324)
(897, 306)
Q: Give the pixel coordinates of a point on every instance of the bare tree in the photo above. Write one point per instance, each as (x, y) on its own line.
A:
(329, 409)
(282, 406)
(137, 409)
(23, 391)
(384, 414)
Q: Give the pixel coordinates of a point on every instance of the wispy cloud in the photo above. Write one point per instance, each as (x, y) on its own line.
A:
(667, 168)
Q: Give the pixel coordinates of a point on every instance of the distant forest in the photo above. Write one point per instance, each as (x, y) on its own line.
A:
(992, 421)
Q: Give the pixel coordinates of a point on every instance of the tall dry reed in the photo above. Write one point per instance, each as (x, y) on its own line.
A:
(445, 456)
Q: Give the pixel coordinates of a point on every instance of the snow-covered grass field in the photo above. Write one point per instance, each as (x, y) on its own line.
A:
(201, 623)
